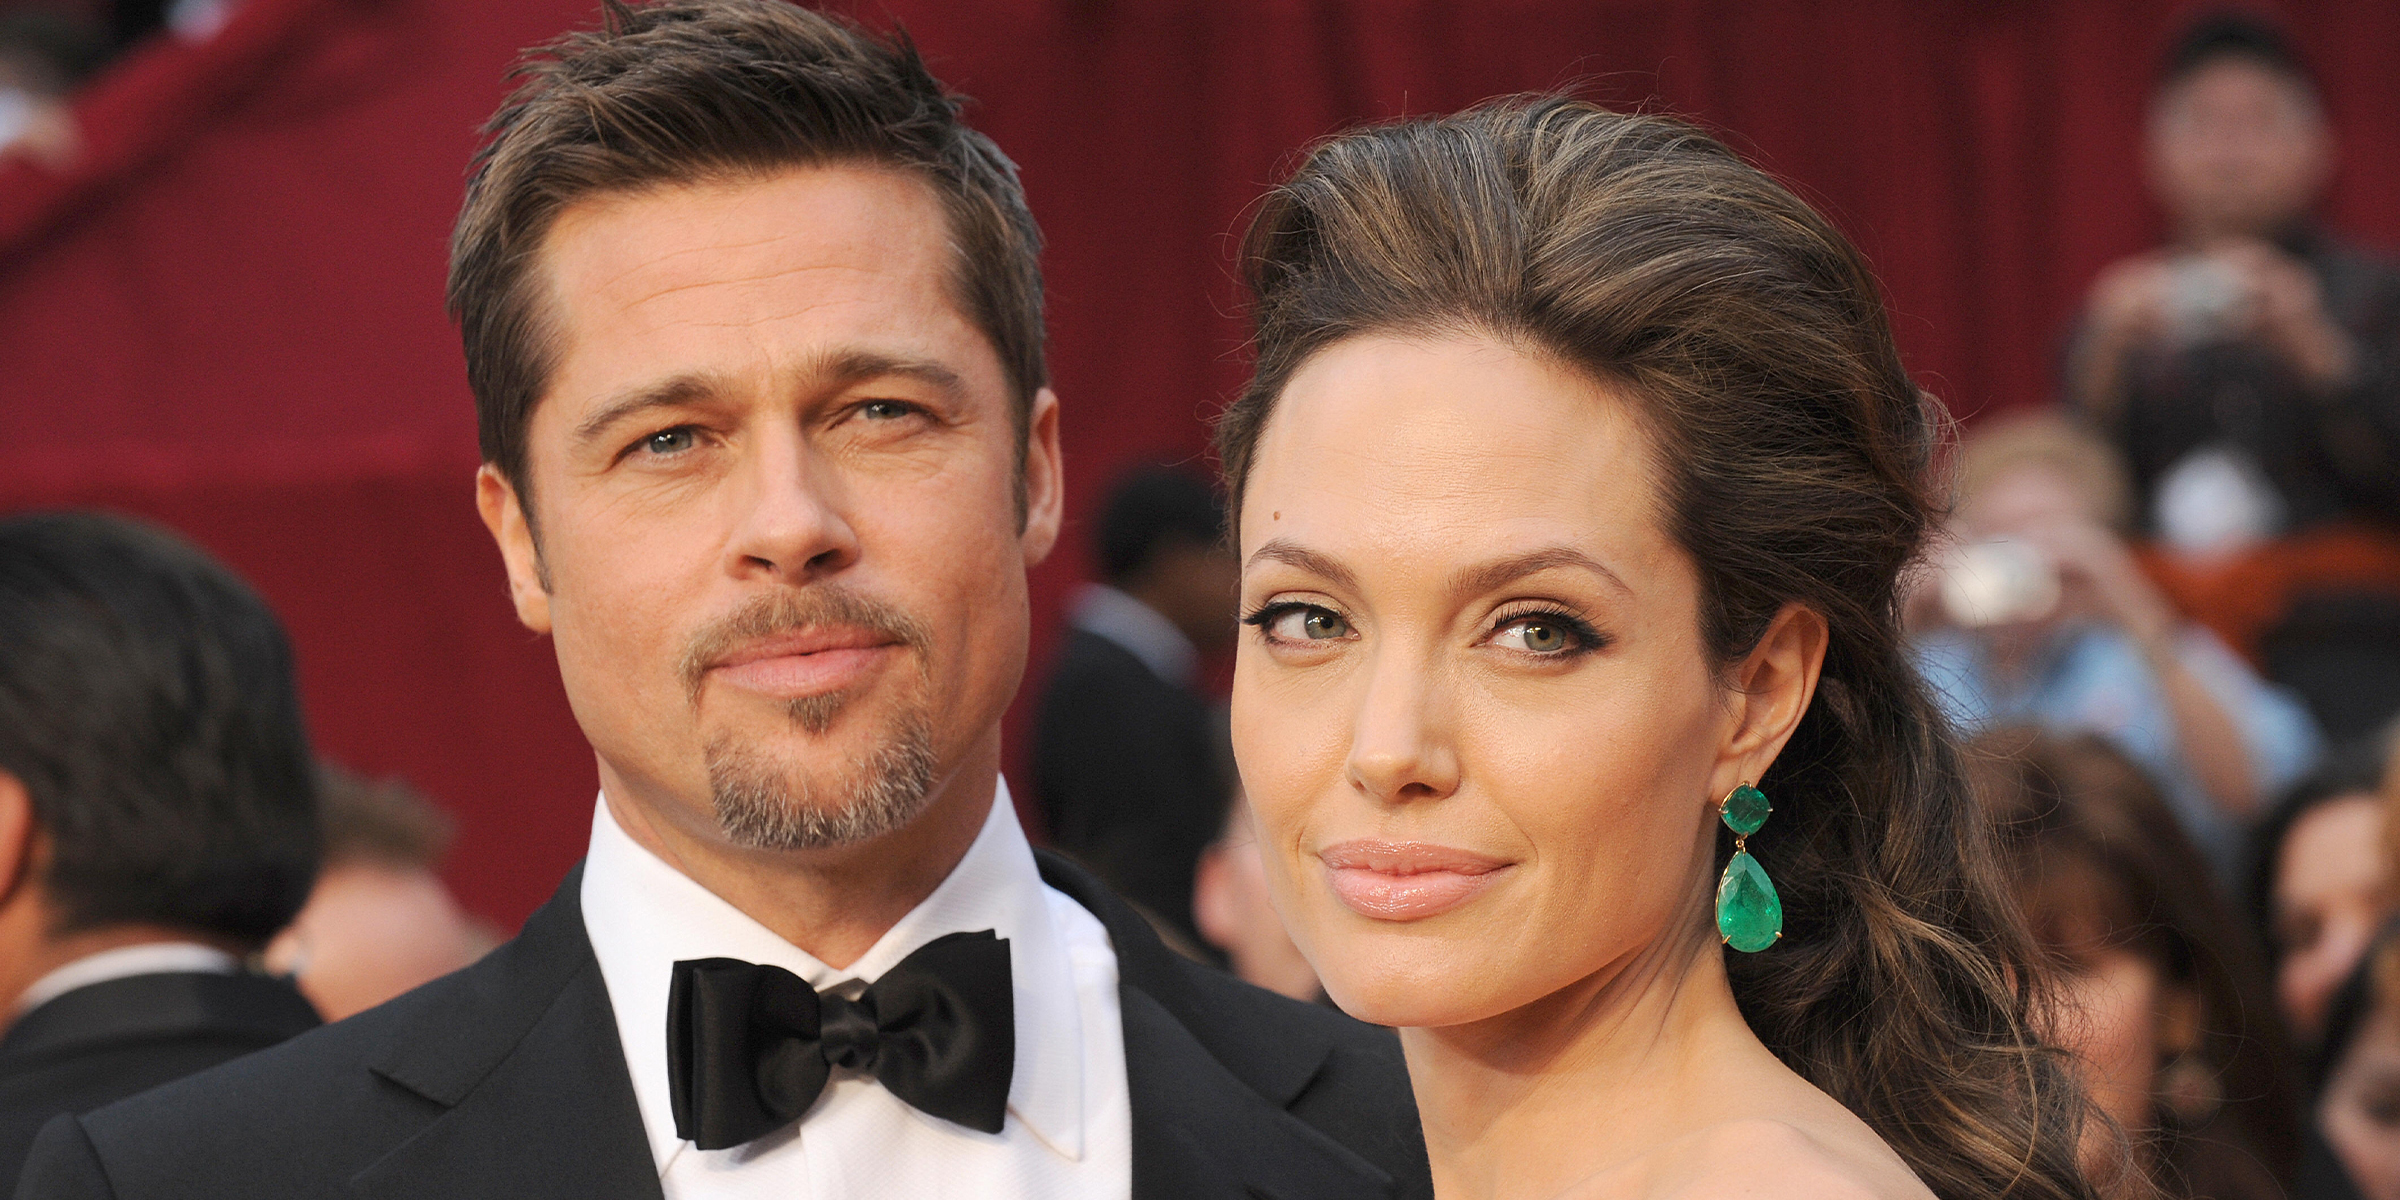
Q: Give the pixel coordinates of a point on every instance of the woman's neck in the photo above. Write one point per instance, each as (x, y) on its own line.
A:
(1524, 1104)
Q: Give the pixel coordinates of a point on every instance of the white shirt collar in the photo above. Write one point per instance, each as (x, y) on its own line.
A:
(643, 916)
(148, 958)
(1144, 633)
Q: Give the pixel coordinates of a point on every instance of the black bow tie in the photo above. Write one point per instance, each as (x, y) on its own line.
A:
(749, 1047)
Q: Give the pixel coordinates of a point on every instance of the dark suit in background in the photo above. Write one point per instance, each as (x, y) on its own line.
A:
(1130, 770)
(508, 1080)
(105, 1041)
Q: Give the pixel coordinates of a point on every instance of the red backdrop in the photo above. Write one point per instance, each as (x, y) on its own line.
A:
(229, 317)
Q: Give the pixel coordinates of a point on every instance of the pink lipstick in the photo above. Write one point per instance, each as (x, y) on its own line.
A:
(1406, 881)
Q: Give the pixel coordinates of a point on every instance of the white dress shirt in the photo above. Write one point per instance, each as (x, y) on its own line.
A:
(1141, 630)
(146, 958)
(1069, 1130)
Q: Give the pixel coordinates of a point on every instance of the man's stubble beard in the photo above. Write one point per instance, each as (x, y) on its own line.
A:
(765, 802)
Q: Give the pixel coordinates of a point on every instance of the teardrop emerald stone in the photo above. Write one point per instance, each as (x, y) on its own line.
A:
(1749, 913)
(1746, 810)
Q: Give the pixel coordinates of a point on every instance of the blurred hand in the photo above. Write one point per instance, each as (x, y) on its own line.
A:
(2128, 303)
(2286, 310)
(2095, 565)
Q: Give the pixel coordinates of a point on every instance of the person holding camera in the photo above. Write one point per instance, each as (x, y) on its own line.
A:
(2243, 370)
(2039, 614)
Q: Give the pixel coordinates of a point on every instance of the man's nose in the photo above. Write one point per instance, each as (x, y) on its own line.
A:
(788, 514)
(1401, 748)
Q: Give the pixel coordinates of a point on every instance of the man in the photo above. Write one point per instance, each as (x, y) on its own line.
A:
(379, 921)
(1131, 760)
(2247, 370)
(157, 817)
(753, 323)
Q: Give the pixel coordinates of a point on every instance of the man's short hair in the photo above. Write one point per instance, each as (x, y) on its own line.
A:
(148, 707)
(688, 91)
(2234, 34)
(379, 823)
(1148, 509)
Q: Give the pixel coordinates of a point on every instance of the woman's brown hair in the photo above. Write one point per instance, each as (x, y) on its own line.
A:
(2100, 864)
(1796, 455)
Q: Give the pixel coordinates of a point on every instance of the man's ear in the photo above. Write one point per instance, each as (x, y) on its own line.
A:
(16, 837)
(1045, 483)
(1772, 688)
(504, 515)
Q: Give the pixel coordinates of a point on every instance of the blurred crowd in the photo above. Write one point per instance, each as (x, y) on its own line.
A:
(2166, 622)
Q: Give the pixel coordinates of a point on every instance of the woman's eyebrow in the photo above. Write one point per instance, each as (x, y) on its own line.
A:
(1293, 554)
(1499, 572)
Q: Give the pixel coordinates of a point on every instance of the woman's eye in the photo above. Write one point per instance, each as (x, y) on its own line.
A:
(669, 441)
(1306, 623)
(1538, 635)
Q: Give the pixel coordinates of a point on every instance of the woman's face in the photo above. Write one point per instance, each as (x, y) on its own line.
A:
(1472, 709)
(2328, 901)
(2112, 1004)
(2360, 1112)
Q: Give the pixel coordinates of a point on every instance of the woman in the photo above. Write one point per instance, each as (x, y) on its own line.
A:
(2317, 882)
(2357, 1085)
(2163, 1003)
(1573, 488)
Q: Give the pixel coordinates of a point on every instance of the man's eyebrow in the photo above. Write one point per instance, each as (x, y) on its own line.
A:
(835, 369)
(1293, 554)
(1479, 579)
(682, 389)
(840, 367)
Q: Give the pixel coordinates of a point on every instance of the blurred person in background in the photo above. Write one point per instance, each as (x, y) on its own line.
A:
(2355, 1118)
(1129, 756)
(44, 55)
(2159, 995)
(2246, 369)
(2039, 614)
(2249, 371)
(1236, 915)
(157, 817)
(2318, 885)
(379, 920)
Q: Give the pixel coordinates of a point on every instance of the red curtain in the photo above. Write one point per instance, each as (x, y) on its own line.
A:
(229, 316)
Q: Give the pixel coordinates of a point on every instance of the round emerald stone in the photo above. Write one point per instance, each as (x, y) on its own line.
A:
(1746, 810)
(1749, 913)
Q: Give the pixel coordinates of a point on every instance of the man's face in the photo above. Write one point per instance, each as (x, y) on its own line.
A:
(776, 486)
(2237, 150)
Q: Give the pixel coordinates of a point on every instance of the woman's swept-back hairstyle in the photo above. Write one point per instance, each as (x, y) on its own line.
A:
(1796, 456)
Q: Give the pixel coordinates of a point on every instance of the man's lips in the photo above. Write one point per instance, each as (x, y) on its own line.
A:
(807, 662)
(1407, 881)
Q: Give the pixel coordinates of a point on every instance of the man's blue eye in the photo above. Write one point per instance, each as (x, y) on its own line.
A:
(885, 410)
(668, 441)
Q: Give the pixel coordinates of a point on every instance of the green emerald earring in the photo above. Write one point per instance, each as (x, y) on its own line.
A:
(1749, 913)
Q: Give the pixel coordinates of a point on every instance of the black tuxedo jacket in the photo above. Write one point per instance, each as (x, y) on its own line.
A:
(1132, 774)
(508, 1080)
(109, 1040)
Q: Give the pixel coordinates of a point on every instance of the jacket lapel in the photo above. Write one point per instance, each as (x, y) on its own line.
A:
(530, 1078)
(1209, 1091)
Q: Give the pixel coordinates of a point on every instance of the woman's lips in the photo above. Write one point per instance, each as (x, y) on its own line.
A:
(1406, 881)
(814, 663)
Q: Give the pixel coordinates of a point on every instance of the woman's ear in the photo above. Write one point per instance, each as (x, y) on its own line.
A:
(1772, 686)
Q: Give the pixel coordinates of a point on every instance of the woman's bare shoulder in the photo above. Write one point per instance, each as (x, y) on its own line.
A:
(1760, 1158)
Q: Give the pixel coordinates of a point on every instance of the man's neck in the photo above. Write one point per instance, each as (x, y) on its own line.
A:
(833, 903)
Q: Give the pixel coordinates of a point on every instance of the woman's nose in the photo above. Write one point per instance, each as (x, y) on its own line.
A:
(1401, 748)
